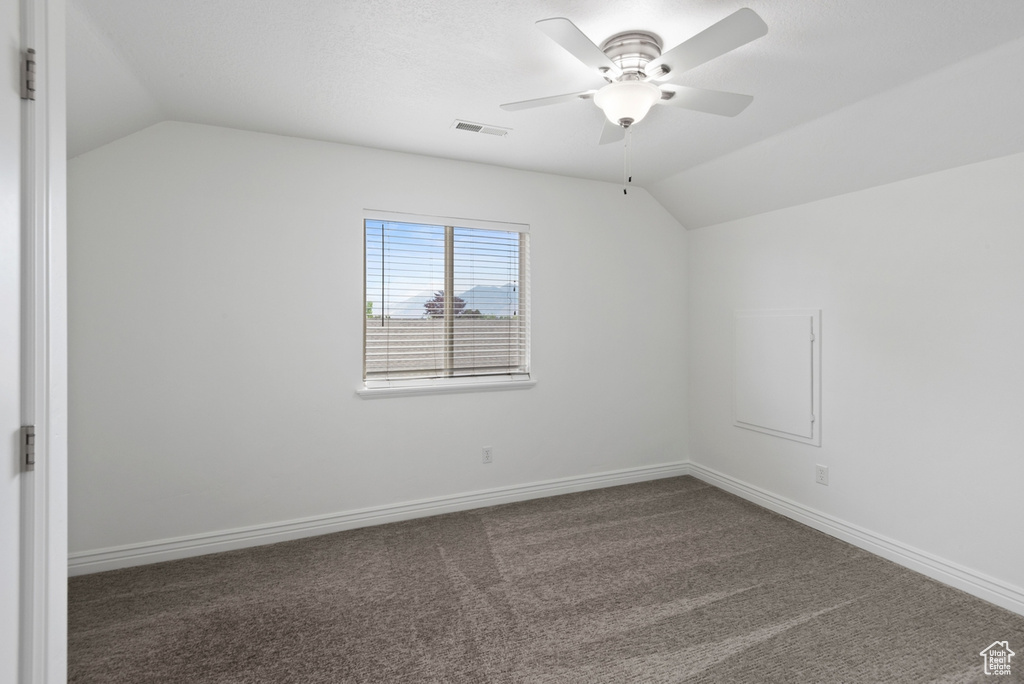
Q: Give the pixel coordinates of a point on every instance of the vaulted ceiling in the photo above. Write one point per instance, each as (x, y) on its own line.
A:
(396, 74)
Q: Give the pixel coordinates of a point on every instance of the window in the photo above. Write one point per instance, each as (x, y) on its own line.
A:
(446, 305)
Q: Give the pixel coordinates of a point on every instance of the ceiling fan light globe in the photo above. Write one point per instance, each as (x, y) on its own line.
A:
(627, 101)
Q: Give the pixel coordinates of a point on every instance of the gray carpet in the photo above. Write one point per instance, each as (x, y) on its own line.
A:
(664, 581)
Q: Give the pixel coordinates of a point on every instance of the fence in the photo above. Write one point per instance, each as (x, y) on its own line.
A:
(397, 347)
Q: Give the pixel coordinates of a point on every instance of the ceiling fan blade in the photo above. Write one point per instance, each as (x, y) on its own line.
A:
(565, 33)
(709, 101)
(737, 29)
(545, 101)
(611, 133)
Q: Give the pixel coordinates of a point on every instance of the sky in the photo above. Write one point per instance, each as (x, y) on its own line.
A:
(405, 261)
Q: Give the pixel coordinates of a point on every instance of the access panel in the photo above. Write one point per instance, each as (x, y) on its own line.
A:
(776, 373)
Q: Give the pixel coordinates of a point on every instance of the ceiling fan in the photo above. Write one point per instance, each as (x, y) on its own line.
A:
(639, 74)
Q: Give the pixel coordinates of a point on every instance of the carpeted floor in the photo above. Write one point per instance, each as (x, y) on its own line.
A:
(664, 581)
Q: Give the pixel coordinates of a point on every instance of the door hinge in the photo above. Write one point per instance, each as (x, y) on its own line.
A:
(28, 75)
(28, 446)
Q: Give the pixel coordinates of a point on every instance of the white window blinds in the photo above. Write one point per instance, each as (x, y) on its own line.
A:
(444, 302)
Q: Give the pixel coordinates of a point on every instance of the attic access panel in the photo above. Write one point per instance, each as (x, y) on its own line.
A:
(777, 373)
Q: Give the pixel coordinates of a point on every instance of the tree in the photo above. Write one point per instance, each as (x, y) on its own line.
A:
(369, 309)
(435, 306)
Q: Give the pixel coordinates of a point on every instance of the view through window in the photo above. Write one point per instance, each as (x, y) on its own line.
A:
(444, 301)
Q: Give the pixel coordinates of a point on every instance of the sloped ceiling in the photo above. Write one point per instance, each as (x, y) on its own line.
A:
(846, 94)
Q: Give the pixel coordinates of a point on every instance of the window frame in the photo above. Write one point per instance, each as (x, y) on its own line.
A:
(385, 387)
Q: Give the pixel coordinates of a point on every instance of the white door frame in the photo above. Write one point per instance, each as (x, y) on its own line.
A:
(44, 358)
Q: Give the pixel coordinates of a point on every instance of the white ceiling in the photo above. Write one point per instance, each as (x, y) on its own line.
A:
(395, 74)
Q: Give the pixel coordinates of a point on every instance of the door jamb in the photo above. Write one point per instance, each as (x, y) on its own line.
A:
(44, 359)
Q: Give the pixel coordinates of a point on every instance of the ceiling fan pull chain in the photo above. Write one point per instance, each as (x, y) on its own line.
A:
(627, 164)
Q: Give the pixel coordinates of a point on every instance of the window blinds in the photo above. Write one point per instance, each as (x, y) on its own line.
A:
(444, 302)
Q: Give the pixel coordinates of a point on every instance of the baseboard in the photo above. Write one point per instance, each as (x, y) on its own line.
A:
(965, 579)
(975, 583)
(112, 558)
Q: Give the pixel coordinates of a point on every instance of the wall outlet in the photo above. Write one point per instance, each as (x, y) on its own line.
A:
(821, 475)
(488, 454)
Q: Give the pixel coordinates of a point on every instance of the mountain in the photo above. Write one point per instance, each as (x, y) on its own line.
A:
(489, 300)
(409, 308)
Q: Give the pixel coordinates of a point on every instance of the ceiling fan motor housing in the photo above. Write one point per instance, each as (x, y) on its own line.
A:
(631, 51)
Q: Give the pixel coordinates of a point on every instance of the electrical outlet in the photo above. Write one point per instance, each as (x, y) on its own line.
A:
(821, 475)
(488, 454)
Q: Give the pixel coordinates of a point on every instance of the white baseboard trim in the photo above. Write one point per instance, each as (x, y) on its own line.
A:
(974, 583)
(112, 558)
(970, 581)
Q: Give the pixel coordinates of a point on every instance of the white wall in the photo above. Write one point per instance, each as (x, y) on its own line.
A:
(216, 305)
(921, 287)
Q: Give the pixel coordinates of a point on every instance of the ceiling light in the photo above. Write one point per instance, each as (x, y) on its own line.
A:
(626, 102)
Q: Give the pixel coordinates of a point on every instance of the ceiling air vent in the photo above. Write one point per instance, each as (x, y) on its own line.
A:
(471, 127)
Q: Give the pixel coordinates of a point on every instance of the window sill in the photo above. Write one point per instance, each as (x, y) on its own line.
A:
(453, 388)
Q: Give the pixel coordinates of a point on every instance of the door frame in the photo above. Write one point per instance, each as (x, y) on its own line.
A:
(44, 346)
